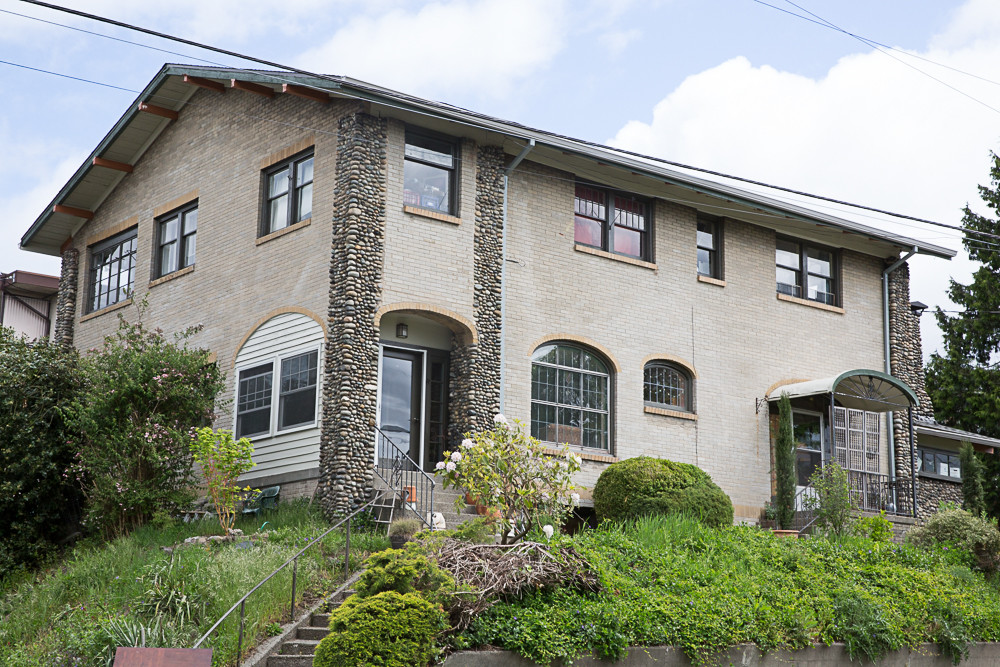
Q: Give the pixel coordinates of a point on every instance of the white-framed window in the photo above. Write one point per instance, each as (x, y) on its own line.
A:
(288, 193)
(570, 396)
(177, 234)
(278, 395)
(430, 171)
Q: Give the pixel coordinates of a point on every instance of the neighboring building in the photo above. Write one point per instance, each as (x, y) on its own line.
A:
(361, 257)
(27, 302)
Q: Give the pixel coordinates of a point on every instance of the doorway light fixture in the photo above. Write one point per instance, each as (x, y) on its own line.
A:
(402, 331)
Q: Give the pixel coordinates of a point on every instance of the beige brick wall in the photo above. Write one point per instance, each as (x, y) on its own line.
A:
(216, 148)
(740, 338)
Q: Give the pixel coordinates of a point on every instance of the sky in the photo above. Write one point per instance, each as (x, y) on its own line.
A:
(763, 90)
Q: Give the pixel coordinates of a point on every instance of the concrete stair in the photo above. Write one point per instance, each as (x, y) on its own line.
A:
(298, 650)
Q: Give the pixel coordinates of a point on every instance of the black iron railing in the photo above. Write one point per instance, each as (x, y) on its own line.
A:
(875, 492)
(413, 488)
(294, 562)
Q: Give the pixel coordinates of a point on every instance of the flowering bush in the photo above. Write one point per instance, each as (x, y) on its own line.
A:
(222, 460)
(508, 471)
(143, 396)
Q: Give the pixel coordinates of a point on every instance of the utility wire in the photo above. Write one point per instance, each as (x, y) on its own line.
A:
(587, 143)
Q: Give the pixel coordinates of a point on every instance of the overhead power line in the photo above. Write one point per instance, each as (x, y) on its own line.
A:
(621, 151)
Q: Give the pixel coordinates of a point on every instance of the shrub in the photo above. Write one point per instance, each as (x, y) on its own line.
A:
(387, 629)
(222, 460)
(862, 626)
(405, 527)
(41, 500)
(973, 496)
(510, 472)
(784, 465)
(143, 396)
(833, 503)
(876, 528)
(645, 486)
(404, 571)
(977, 536)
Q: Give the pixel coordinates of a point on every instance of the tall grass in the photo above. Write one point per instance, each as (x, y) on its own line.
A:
(68, 614)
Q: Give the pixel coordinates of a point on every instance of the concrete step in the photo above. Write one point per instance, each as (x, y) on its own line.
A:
(320, 620)
(290, 661)
(309, 632)
(299, 647)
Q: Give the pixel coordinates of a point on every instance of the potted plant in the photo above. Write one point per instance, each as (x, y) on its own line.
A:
(402, 531)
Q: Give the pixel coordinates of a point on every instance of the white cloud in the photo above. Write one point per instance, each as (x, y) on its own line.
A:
(872, 131)
(616, 41)
(484, 46)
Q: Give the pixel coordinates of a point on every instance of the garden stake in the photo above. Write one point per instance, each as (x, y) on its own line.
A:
(347, 552)
(239, 642)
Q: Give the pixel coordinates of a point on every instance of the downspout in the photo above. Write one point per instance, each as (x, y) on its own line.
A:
(3, 295)
(503, 274)
(888, 366)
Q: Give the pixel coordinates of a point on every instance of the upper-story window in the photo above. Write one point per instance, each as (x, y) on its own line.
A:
(176, 239)
(570, 396)
(112, 270)
(430, 172)
(666, 385)
(612, 221)
(288, 189)
(807, 271)
(709, 247)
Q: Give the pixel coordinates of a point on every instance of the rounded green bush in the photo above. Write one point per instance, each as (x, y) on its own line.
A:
(387, 629)
(647, 486)
(976, 535)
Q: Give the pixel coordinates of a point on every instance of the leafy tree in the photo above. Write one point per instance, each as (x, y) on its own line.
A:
(784, 465)
(972, 480)
(144, 397)
(222, 459)
(964, 381)
(40, 499)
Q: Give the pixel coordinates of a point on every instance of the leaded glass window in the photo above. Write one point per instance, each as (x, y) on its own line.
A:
(612, 221)
(570, 397)
(112, 270)
(666, 386)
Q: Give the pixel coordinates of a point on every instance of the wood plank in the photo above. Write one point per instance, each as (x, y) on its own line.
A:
(70, 210)
(111, 164)
(255, 88)
(306, 93)
(205, 83)
(65, 245)
(163, 657)
(158, 111)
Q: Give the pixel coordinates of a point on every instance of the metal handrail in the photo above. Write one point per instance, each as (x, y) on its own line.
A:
(413, 487)
(241, 603)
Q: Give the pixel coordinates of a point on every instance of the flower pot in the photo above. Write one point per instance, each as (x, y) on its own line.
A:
(481, 509)
(397, 541)
(785, 533)
(469, 499)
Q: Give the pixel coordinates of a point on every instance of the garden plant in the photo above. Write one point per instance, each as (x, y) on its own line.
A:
(222, 460)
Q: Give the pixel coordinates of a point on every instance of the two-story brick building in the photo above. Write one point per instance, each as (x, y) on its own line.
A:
(361, 258)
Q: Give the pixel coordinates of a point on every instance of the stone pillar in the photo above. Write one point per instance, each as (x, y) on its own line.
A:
(906, 363)
(69, 277)
(347, 440)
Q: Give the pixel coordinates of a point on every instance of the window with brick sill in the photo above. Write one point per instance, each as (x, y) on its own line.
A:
(430, 172)
(112, 270)
(571, 397)
(176, 234)
(807, 271)
(667, 386)
(612, 221)
(709, 247)
(288, 193)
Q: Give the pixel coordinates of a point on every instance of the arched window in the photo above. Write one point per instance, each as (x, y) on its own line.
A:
(666, 385)
(570, 396)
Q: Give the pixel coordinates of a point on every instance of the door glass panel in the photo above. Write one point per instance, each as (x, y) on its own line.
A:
(397, 397)
(807, 430)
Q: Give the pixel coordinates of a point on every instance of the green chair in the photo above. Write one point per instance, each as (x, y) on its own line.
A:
(265, 499)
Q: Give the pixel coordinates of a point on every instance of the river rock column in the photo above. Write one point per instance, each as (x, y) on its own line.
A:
(347, 441)
(69, 277)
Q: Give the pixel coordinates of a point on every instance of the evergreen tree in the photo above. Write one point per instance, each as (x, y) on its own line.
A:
(964, 381)
(973, 497)
(784, 465)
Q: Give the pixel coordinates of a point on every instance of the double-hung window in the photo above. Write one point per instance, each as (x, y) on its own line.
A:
(709, 247)
(806, 271)
(288, 190)
(612, 221)
(176, 239)
(294, 394)
(112, 270)
(430, 172)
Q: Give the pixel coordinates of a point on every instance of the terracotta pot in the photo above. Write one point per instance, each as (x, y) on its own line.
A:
(469, 499)
(481, 509)
(785, 533)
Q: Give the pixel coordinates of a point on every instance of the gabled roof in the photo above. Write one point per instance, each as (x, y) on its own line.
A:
(167, 94)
